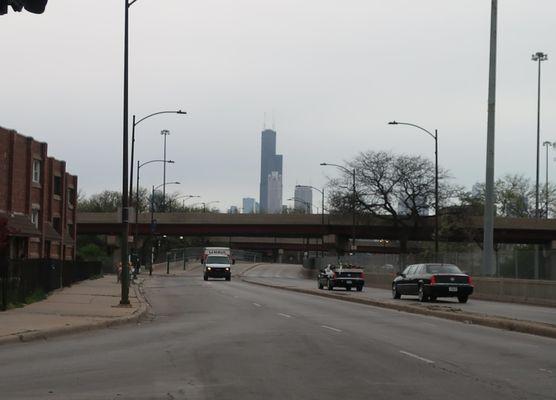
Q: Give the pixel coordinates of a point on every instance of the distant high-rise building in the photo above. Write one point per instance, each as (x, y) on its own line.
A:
(249, 205)
(270, 163)
(303, 199)
(274, 196)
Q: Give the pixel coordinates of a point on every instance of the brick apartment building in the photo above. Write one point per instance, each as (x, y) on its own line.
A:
(37, 200)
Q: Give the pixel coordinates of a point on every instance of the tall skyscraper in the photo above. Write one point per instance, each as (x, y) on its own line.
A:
(303, 199)
(271, 169)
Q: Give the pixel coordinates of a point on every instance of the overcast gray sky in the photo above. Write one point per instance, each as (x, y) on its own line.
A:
(333, 72)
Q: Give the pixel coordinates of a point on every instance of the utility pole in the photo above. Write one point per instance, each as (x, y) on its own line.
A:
(488, 217)
(538, 57)
(165, 133)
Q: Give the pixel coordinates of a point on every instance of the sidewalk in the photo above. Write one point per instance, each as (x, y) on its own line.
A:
(86, 305)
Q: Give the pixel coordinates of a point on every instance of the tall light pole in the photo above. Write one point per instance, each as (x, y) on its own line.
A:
(133, 125)
(538, 57)
(139, 166)
(488, 267)
(436, 216)
(124, 300)
(547, 144)
(353, 199)
(164, 133)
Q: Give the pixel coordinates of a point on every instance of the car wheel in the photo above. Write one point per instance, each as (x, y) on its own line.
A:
(330, 285)
(462, 299)
(206, 278)
(359, 288)
(395, 293)
(228, 278)
(432, 298)
(422, 296)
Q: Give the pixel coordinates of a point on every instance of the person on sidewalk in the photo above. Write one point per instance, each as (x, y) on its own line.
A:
(119, 272)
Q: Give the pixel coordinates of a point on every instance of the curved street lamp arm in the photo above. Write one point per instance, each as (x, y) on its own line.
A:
(167, 183)
(152, 161)
(159, 112)
(413, 125)
(338, 166)
(312, 187)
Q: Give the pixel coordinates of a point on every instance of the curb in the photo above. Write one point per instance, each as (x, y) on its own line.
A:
(515, 325)
(66, 330)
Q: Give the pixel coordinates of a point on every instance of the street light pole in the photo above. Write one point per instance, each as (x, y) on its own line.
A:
(133, 141)
(139, 166)
(436, 204)
(165, 133)
(538, 57)
(124, 300)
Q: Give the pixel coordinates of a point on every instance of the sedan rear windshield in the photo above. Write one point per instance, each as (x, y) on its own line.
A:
(218, 260)
(443, 269)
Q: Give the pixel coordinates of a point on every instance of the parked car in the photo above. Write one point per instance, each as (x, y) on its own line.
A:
(339, 276)
(430, 281)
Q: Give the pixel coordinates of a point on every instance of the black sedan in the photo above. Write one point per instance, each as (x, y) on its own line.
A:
(332, 277)
(430, 281)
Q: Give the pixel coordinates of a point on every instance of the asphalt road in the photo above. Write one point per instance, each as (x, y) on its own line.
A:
(234, 340)
(292, 276)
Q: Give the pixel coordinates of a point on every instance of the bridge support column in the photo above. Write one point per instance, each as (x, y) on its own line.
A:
(550, 265)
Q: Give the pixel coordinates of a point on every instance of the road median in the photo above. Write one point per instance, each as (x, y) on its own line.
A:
(493, 321)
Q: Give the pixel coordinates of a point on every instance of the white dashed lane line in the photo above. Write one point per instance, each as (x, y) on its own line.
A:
(284, 315)
(257, 305)
(417, 357)
(331, 328)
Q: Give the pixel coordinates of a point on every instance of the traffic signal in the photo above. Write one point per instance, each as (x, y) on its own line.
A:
(34, 6)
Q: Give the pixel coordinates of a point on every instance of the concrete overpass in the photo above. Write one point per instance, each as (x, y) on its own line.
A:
(506, 230)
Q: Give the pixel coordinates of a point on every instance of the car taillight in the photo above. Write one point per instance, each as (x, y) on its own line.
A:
(334, 275)
(433, 280)
(362, 275)
(469, 280)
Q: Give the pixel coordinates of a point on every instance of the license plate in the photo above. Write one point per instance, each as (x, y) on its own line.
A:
(452, 289)
(348, 282)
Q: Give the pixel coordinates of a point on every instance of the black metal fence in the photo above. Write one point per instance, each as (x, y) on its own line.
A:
(20, 279)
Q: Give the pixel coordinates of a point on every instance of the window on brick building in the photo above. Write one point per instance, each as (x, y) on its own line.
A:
(71, 196)
(35, 217)
(57, 224)
(58, 185)
(37, 171)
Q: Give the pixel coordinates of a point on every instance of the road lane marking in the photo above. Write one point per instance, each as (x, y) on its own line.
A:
(257, 305)
(284, 315)
(417, 357)
(332, 329)
(545, 370)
